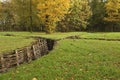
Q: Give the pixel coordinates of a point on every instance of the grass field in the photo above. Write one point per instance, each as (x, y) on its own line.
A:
(71, 59)
(19, 39)
(109, 35)
(11, 43)
(53, 36)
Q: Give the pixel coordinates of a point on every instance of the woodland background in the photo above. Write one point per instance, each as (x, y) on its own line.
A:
(62, 15)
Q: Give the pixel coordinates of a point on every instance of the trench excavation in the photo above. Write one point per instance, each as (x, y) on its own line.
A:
(104, 39)
(39, 48)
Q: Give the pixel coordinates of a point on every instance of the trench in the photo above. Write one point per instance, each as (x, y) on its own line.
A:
(104, 39)
(37, 49)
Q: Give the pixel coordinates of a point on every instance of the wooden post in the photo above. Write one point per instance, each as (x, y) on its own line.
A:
(39, 48)
(28, 55)
(17, 58)
(34, 52)
(45, 47)
(31, 20)
(2, 64)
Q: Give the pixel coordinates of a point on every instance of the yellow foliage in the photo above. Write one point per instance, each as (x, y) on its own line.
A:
(112, 11)
(52, 11)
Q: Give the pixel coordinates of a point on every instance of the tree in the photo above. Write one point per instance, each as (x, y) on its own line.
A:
(17, 14)
(78, 17)
(6, 16)
(1, 28)
(52, 11)
(22, 11)
(97, 22)
(112, 11)
(112, 16)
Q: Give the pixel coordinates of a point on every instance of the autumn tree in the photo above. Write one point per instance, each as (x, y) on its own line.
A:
(52, 11)
(112, 16)
(112, 11)
(77, 19)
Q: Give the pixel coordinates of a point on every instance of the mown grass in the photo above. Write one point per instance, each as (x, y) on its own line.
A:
(21, 39)
(18, 40)
(9, 43)
(73, 60)
(38, 34)
(108, 35)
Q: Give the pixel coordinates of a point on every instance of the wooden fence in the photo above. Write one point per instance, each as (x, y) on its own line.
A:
(15, 58)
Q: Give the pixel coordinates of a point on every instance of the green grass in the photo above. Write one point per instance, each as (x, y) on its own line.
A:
(108, 35)
(38, 34)
(19, 40)
(11, 43)
(73, 60)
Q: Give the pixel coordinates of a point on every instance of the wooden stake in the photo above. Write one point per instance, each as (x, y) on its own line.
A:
(17, 58)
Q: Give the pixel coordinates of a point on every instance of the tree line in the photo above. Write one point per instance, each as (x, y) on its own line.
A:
(60, 15)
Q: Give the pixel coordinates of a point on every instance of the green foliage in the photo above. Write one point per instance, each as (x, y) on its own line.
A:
(105, 15)
(78, 16)
(67, 15)
(97, 19)
(22, 12)
(6, 16)
(16, 15)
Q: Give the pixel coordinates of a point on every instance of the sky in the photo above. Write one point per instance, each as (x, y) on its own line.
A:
(3, 0)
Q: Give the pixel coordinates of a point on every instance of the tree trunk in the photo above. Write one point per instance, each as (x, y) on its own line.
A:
(31, 16)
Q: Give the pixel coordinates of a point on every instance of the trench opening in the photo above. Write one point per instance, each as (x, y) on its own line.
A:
(39, 48)
(50, 44)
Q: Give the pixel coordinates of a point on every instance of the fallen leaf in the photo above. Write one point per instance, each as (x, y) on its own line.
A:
(34, 79)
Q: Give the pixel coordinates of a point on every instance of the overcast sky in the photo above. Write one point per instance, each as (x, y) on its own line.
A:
(3, 0)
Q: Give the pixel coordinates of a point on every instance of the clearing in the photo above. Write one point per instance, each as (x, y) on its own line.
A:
(72, 59)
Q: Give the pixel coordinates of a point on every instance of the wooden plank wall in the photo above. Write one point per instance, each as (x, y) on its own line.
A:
(37, 49)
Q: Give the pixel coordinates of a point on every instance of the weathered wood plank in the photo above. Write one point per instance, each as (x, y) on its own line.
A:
(26, 54)
(17, 57)
(2, 64)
